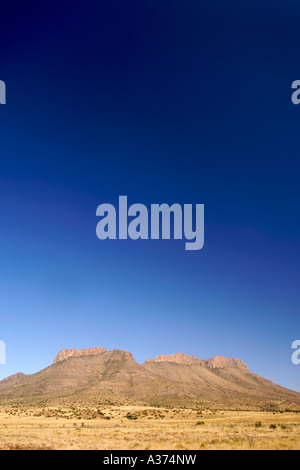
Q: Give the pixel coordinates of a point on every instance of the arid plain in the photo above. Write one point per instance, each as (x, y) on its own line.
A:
(153, 428)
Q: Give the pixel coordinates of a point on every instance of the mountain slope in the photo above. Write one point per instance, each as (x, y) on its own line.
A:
(221, 380)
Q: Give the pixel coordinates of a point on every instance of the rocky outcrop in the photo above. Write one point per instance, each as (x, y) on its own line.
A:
(178, 358)
(220, 362)
(217, 362)
(68, 353)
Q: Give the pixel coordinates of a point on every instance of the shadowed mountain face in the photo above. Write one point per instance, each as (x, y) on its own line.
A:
(97, 376)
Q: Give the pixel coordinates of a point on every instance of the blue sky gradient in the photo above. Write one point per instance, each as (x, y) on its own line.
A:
(186, 102)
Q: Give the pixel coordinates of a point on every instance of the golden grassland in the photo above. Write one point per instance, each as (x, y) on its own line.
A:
(137, 427)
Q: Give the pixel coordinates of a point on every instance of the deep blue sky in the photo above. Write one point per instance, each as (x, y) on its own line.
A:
(163, 101)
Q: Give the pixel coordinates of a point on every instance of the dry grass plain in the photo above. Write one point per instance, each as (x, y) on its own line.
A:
(129, 427)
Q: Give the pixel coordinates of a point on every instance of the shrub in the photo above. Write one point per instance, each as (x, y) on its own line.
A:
(130, 416)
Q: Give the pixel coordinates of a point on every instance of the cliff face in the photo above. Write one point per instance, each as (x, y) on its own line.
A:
(217, 362)
(178, 358)
(220, 362)
(67, 353)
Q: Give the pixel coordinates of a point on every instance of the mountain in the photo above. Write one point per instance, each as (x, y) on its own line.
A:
(97, 376)
(11, 380)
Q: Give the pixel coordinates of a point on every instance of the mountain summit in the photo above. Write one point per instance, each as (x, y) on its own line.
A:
(213, 363)
(68, 353)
